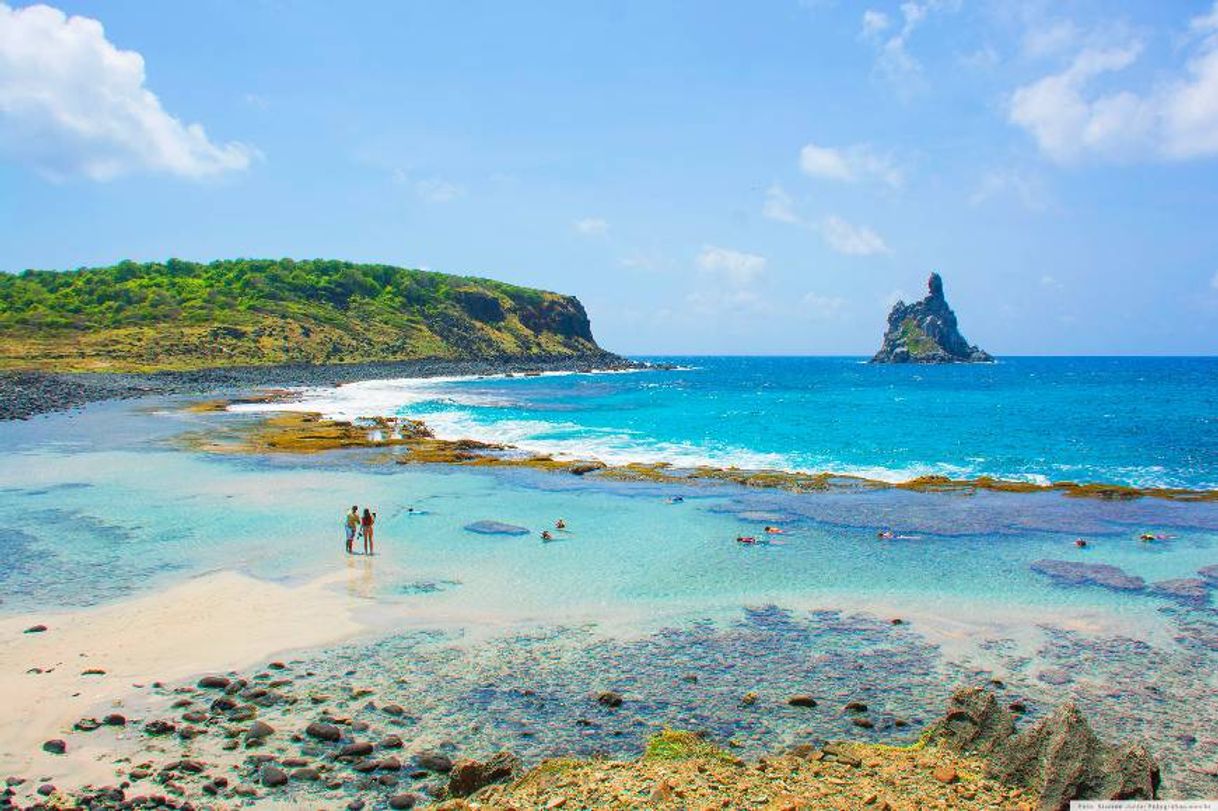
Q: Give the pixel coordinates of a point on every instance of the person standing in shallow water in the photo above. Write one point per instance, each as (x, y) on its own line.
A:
(352, 526)
(367, 522)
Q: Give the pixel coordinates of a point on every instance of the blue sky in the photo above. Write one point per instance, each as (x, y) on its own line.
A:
(707, 177)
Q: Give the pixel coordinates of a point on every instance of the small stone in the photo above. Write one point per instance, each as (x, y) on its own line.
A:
(748, 699)
(359, 749)
(215, 682)
(945, 774)
(323, 732)
(557, 802)
(46, 789)
(609, 698)
(306, 773)
(403, 801)
(93, 671)
(802, 700)
(195, 717)
(391, 742)
(259, 730)
(86, 724)
(114, 719)
(55, 746)
(434, 762)
(35, 629)
(159, 727)
(393, 709)
(273, 776)
(865, 723)
(856, 706)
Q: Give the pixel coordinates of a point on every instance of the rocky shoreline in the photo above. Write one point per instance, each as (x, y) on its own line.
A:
(283, 734)
(24, 394)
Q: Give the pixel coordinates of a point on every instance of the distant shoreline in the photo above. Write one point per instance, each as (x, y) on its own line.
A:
(25, 394)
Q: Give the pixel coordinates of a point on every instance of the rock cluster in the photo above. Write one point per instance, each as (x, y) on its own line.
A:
(926, 332)
(1059, 757)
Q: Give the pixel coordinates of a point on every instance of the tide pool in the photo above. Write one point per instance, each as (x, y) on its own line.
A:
(640, 592)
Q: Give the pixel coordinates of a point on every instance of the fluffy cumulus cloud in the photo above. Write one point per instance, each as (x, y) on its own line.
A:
(736, 268)
(1071, 119)
(74, 105)
(850, 239)
(849, 164)
(591, 227)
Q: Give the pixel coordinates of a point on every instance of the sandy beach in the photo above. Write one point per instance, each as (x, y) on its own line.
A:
(212, 623)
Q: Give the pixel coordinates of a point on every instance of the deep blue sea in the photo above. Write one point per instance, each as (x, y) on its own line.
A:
(1147, 422)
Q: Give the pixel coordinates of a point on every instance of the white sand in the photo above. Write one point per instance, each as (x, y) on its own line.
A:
(213, 623)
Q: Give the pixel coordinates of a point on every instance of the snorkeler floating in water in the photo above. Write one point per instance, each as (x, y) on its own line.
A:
(746, 539)
(1079, 542)
(546, 536)
(774, 531)
(676, 500)
(885, 535)
(560, 524)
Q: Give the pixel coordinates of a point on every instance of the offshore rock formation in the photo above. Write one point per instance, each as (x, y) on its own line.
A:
(925, 332)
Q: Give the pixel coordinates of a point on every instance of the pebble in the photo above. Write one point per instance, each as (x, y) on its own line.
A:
(272, 776)
(802, 701)
(35, 629)
(55, 746)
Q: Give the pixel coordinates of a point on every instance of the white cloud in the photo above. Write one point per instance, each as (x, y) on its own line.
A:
(591, 227)
(1050, 282)
(1214, 281)
(999, 183)
(779, 206)
(853, 240)
(1177, 120)
(893, 59)
(849, 164)
(72, 104)
(821, 307)
(435, 190)
(874, 22)
(1045, 38)
(713, 302)
(733, 267)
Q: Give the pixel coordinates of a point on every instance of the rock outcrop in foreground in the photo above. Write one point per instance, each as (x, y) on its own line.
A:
(973, 758)
(926, 332)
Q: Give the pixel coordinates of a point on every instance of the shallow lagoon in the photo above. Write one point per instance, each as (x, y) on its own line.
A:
(499, 639)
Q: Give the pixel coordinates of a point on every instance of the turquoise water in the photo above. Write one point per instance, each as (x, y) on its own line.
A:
(1138, 421)
(641, 591)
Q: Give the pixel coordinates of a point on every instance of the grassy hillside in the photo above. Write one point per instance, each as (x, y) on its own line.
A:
(180, 315)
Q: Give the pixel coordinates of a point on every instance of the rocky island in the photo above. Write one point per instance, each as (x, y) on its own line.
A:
(926, 332)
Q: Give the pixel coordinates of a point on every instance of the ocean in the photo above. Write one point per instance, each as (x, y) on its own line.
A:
(642, 590)
(1141, 422)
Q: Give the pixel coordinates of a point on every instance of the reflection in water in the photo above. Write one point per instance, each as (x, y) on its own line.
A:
(361, 576)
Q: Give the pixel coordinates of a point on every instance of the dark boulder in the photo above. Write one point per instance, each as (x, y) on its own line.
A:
(259, 730)
(55, 746)
(468, 775)
(272, 776)
(432, 761)
(802, 700)
(214, 682)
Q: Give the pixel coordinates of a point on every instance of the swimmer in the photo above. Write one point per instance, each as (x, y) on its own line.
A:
(773, 530)
(1146, 536)
(1079, 542)
(546, 536)
(560, 524)
(885, 535)
(746, 539)
(676, 500)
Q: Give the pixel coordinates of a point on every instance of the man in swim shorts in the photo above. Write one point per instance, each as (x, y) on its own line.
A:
(352, 526)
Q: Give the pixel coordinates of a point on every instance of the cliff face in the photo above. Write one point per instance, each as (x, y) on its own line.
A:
(926, 332)
(181, 315)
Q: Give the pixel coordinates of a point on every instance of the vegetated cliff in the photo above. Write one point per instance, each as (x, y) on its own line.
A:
(926, 332)
(186, 315)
